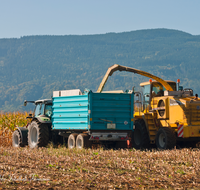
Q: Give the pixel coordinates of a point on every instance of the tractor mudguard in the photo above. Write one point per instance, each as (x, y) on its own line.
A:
(43, 119)
(24, 134)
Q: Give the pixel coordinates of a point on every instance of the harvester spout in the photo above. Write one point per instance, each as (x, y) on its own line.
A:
(116, 67)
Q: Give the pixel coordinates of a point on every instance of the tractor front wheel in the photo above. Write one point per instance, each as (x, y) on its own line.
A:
(16, 139)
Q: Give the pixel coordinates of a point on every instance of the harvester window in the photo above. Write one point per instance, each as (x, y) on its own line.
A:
(158, 89)
(146, 92)
(146, 95)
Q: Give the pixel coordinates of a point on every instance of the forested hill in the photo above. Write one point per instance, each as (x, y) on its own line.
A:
(33, 66)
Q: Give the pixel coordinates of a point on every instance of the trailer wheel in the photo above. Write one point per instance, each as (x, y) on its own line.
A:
(17, 139)
(82, 141)
(165, 138)
(38, 135)
(72, 140)
(140, 137)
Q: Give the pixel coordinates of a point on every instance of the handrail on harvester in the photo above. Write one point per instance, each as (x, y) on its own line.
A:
(117, 67)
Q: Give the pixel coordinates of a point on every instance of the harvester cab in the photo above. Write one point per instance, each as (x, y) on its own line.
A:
(150, 90)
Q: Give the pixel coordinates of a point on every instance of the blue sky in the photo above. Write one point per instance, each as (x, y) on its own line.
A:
(68, 17)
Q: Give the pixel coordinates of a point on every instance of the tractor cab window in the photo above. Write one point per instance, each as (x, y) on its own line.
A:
(37, 110)
(48, 110)
(42, 109)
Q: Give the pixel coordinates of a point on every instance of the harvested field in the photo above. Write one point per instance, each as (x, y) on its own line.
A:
(61, 168)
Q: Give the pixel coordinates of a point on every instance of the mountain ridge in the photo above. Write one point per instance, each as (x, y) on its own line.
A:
(33, 66)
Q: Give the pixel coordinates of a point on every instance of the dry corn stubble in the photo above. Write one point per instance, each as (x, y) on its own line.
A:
(61, 168)
(99, 169)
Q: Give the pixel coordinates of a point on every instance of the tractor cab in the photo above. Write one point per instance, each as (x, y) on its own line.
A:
(43, 107)
(42, 110)
(150, 90)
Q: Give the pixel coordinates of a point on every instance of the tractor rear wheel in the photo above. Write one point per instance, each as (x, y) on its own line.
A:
(165, 138)
(140, 137)
(72, 140)
(38, 135)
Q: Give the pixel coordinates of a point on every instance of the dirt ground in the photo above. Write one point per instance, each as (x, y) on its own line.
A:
(61, 168)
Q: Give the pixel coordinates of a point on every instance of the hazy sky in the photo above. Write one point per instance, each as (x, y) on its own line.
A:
(63, 17)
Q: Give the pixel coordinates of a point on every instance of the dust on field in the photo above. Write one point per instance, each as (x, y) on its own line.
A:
(62, 168)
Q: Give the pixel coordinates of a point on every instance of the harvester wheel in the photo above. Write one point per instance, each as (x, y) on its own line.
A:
(140, 137)
(165, 138)
(72, 140)
(38, 135)
(17, 139)
(82, 141)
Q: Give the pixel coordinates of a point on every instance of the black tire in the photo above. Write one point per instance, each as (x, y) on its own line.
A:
(165, 138)
(121, 144)
(17, 139)
(71, 143)
(140, 137)
(38, 135)
(82, 141)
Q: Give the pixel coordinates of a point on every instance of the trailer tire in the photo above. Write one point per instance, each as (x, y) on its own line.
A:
(17, 139)
(71, 143)
(38, 135)
(165, 138)
(82, 141)
(140, 137)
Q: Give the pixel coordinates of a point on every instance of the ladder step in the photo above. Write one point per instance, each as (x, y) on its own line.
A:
(151, 123)
(153, 129)
(152, 133)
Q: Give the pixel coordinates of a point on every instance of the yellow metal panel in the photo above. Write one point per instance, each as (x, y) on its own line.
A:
(186, 131)
(191, 131)
(175, 114)
(195, 131)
